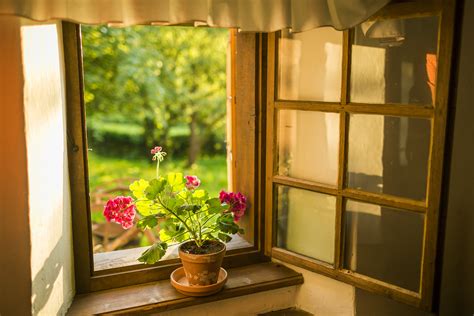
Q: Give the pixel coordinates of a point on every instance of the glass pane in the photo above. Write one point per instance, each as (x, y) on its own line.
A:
(384, 243)
(306, 222)
(395, 61)
(389, 154)
(310, 65)
(308, 145)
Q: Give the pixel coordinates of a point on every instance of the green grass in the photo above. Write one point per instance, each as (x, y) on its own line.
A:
(111, 176)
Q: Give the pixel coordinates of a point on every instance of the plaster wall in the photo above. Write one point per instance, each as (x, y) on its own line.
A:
(48, 179)
(15, 281)
(318, 295)
(36, 274)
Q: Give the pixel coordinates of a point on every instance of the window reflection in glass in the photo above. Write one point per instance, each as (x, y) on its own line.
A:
(388, 154)
(395, 61)
(384, 243)
(306, 222)
(308, 145)
(310, 65)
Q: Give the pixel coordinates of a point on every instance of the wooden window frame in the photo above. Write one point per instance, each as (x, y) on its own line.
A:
(437, 113)
(247, 164)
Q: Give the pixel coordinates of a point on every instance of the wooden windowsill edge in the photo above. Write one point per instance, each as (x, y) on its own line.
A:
(161, 296)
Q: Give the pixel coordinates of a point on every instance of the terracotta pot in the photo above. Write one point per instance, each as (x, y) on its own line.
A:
(202, 269)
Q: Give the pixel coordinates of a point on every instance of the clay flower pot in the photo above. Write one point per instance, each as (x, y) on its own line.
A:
(202, 269)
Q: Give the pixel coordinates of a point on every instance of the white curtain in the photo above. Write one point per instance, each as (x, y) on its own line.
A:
(248, 15)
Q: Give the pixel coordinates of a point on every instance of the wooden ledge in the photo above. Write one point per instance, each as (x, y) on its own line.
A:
(161, 296)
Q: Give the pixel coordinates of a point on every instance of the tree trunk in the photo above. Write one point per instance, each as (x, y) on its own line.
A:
(194, 140)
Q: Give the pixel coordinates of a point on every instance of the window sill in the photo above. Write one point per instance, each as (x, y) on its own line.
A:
(127, 258)
(160, 296)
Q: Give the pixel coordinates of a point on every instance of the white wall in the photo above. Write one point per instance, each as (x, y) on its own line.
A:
(318, 295)
(48, 178)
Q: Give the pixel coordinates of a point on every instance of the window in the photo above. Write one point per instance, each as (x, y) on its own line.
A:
(355, 134)
(97, 269)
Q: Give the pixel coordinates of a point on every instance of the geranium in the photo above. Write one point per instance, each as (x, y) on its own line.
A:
(237, 203)
(120, 210)
(192, 182)
(155, 150)
(182, 211)
(158, 155)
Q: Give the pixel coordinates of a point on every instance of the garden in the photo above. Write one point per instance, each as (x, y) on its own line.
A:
(147, 86)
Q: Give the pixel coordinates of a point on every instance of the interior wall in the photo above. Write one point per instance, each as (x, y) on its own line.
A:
(457, 284)
(318, 295)
(48, 179)
(15, 281)
(36, 274)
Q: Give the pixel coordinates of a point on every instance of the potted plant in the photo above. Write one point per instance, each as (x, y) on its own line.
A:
(185, 214)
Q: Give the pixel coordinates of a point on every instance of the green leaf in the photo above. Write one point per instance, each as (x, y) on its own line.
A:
(146, 208)
(182, 237)
(155, 187)
(147, 222)
(200, 195)
(227, 225)
(174, 203)
(138, 188)
(224, 237)
(215, 206)
(188, 208)
(154, 253)
(176, 180)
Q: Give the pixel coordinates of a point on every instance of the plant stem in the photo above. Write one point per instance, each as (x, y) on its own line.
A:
(207, 219)
(175, 215)
(169, 239)
(157, 168)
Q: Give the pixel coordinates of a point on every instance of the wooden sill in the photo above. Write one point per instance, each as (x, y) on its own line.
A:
(127, 258)
(161, 296)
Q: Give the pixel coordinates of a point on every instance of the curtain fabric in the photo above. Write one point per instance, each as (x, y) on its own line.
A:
(247, 15)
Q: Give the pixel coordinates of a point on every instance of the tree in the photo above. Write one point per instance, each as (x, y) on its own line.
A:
(158, 77)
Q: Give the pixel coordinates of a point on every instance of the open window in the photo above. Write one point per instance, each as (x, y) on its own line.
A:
(124, 85)
(356, 131)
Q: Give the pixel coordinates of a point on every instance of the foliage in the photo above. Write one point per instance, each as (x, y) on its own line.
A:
(180, 209)
(155, 79)
(107, 173)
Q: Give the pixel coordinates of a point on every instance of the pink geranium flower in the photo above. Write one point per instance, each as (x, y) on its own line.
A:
(120, 210)
(236, 201)
(155, 150)
(192, 182)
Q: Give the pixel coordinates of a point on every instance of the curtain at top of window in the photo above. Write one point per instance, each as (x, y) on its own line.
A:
(247, 15)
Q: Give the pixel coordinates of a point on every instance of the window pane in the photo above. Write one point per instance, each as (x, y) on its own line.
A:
(308, 145)
(310, 65)
(389, 154)
(384, 243)
(395, 61)
(306, 222)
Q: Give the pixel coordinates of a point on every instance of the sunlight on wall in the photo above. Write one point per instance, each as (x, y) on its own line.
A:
(44, 99)
(367, 145)
(310, 65)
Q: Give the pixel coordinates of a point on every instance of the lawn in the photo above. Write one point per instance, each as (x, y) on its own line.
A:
(109, 176)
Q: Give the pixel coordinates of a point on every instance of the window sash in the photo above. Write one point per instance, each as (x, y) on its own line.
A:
(430, 207)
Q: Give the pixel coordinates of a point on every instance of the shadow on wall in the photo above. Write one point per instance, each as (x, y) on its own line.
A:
(44, 281)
